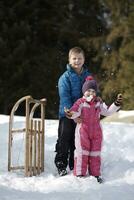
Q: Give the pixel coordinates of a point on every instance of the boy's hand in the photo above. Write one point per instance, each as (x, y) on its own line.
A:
(68, 113)
(118, 100)
(78, 120)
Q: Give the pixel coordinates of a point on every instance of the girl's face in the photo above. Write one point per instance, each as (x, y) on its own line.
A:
(76, 60)
(90, 92)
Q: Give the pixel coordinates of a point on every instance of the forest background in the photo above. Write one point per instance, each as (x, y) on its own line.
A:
(35, 37)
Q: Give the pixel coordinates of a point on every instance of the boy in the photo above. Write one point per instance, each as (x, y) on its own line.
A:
(88, 134)
(69, 86)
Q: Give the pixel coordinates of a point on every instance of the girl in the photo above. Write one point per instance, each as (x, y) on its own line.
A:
(88, 133)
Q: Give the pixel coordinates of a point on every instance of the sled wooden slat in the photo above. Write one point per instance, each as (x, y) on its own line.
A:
(42, 137)
(18, 130)
(35, 141)
(17, 167)
(30, 148)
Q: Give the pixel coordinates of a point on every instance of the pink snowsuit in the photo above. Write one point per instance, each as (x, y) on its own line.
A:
(88, 135)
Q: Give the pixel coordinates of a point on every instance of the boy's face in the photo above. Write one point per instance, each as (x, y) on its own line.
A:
(76, 60)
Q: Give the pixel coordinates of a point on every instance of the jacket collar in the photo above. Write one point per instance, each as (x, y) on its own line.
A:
(69, 68)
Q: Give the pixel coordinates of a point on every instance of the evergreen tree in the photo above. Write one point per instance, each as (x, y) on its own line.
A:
(118, 60)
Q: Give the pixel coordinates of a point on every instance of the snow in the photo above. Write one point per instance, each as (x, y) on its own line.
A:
(117, 167)
(123, 113)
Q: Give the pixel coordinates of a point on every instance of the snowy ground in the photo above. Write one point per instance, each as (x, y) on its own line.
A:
(117, 168)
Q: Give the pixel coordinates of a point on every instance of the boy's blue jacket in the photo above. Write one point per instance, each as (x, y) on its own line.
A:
(70, 87)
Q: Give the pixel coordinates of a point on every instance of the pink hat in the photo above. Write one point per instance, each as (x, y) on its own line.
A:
(90, 83)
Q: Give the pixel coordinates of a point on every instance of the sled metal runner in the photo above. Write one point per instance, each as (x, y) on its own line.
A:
(34, 131)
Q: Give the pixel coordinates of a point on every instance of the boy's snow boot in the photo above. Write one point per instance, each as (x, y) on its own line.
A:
(61, 168)
(62, 172)
(99, 179)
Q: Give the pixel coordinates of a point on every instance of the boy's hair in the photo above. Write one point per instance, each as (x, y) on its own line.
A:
(76, 50)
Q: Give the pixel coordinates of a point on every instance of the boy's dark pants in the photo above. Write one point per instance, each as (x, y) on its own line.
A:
(65, 144)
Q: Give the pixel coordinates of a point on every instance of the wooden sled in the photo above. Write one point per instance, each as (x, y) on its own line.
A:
(34, 131)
